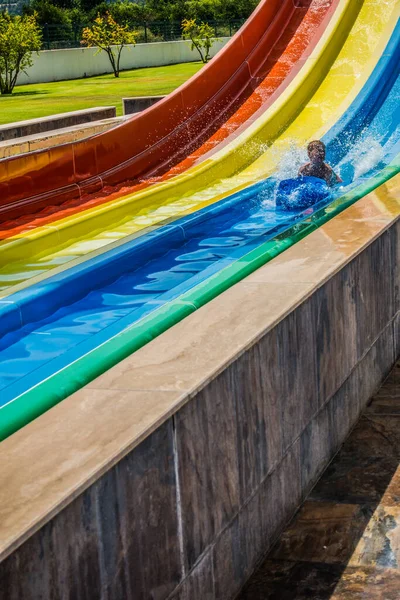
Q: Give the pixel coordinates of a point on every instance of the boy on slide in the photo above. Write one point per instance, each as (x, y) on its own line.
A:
(317, 167)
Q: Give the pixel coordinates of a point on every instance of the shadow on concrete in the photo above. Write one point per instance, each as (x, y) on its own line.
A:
(343, 542)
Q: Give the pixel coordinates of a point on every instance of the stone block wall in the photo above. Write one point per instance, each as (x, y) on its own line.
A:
(189, 513)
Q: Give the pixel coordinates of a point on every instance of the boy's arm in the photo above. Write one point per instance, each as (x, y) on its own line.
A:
(334, 177)
(337, 177)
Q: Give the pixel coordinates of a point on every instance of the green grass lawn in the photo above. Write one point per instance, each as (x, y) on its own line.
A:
(42, 99)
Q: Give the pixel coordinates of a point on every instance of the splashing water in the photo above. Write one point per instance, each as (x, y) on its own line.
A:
(361, 157)
(365, 155)
(291, 162)
(317, 5)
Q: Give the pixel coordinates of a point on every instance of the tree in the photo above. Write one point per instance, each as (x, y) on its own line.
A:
(109, 36)
(201, 36)
(125, 12)
(19, 37)
(167, 10)
(226, 10)
(52, 19)
(202, 10)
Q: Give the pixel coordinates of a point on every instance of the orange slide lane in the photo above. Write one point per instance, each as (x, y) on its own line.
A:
(281, 64)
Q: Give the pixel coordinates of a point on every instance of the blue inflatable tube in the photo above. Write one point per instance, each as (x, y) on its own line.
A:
(301, 192)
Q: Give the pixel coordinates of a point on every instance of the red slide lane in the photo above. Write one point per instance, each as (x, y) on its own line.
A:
(34, 180)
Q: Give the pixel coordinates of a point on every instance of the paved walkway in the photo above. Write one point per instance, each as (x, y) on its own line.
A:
(344, 543)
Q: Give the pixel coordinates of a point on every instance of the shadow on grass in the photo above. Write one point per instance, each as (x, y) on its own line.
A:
(17, 94)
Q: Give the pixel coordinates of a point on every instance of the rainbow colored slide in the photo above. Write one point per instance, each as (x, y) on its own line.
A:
(107, 242)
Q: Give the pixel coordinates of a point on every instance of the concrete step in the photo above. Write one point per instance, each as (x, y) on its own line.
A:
(138, 104)
(52, 122)
(29, 143)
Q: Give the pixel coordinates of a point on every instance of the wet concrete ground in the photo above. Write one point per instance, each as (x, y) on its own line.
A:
(344, 543)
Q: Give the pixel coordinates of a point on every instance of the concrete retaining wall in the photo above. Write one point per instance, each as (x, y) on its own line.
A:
(189, 512)
(56, 65)
(135, 105)
(29, 127)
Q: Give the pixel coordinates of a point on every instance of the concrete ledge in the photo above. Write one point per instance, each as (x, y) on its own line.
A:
(34, 126)
(172, 474)
(135, 105)
(64, 135)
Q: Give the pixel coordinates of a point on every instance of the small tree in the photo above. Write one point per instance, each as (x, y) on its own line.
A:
(201, 36)
(19, 37)
(109, 36)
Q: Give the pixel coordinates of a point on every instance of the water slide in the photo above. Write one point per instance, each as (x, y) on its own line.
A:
(83, 293)
(166, 133)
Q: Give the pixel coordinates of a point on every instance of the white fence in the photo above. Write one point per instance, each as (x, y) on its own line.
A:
(74, 63)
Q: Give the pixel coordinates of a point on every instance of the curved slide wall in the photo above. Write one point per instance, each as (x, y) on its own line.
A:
(182, 120)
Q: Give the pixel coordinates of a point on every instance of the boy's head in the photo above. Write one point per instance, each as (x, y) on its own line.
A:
(316, 151)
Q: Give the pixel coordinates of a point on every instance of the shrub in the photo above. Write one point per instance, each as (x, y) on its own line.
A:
(19, 37)
(202, 37)
(109, 36)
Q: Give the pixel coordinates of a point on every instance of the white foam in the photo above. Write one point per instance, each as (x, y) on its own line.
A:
(365, 155)
(291, 162)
